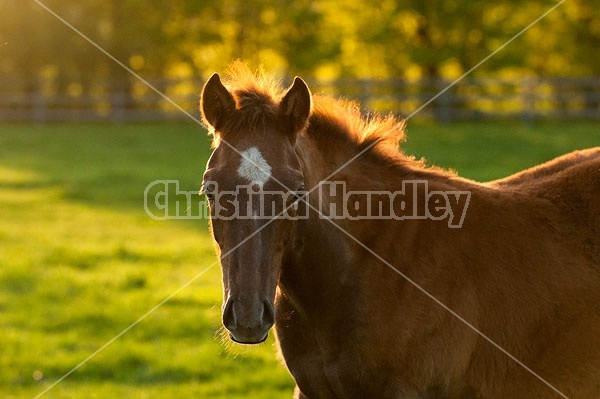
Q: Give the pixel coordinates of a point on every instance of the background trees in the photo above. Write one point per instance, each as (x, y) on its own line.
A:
(319, 38)
(323, 39)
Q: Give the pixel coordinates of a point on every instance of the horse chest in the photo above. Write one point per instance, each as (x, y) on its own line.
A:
(330, 369)
(326, 369)
(348, 379)
(319, 377)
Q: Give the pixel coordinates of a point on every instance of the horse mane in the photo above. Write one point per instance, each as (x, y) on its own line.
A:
(339, 122)
(332, 122)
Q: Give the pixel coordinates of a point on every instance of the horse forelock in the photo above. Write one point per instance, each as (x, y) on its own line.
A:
(239, 76)
(256, 94)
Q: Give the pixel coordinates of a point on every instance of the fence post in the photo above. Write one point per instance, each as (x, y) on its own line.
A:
(445, 101)
(528, 111)
(116, 105)
(364, 93)
(38, 103)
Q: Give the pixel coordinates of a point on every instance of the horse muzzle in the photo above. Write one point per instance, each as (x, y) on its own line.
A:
(248, 321)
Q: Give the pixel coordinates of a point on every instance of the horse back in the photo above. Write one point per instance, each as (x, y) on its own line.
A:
(571, 182)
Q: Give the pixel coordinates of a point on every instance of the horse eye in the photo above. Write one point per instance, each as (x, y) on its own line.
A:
(299, 193)
(210, 196)
(209, 188)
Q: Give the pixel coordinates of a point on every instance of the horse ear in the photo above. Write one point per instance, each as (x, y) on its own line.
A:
(216, 102)
(295, 105)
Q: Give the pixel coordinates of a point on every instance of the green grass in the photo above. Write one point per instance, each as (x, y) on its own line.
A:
(80, 260)
(490, 151)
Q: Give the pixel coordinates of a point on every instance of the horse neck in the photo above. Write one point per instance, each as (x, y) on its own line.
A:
(322, 260)
(318, 256)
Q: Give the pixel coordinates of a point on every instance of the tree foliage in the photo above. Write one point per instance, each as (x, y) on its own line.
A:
(323, 39)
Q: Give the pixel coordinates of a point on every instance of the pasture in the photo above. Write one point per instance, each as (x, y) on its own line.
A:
(80, 260)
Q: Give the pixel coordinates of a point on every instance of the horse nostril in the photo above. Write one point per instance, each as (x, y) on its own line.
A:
(253, 318)
(268, 313)
(229, 315)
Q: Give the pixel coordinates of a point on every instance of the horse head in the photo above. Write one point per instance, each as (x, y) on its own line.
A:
(253, 182)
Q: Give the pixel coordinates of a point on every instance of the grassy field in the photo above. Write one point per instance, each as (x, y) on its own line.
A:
(80, 260)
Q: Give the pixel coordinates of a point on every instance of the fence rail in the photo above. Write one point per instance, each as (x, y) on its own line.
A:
(471, 99)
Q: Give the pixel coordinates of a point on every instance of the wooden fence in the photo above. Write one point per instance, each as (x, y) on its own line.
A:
(470, 99)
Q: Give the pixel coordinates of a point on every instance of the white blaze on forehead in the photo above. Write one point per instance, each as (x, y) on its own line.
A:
(254, 167)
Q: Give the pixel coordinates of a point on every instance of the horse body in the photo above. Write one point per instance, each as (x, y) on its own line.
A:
(514, 270)
(517, 285)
